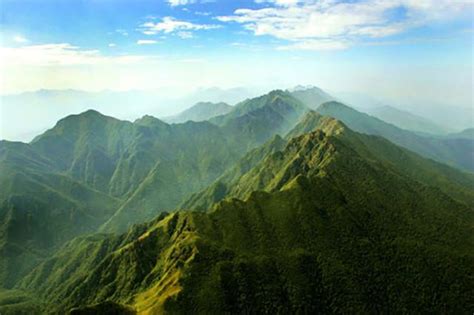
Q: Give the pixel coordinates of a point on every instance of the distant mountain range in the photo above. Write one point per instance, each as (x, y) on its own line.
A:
(407, 120)
(200, 112)
(289, 202)
(465, 134)
(446, 117)
(45, 107)
(456, 152)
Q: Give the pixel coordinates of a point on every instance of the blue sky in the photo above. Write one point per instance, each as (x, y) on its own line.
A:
(397, 48)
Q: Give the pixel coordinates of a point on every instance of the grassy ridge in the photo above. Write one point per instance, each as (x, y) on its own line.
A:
(337, 232)
(297, 214)
(454, 152)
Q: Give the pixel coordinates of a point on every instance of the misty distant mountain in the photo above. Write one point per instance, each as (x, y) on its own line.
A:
(456, 152)
(407, 120)
(464, 134)
(453, 117)
(230, 96)
(311, 96)
(316, 223)
(200, 112)
(359, 101)
(294, 211)
(446, 116)
(40, 109)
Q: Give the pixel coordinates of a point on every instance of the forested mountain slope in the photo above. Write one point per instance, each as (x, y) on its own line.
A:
(454, 152)
(337, 230)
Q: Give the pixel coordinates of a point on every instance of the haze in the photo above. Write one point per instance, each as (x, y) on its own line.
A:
(415, 55)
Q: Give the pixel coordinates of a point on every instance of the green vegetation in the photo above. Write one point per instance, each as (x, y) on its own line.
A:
(16, 302)
(336, 231)
(312, 97)
(93, 171)
(407, 120)
(465, 134)
(242, 180)
(200, 112)
(41, 209)
(455, 152)
(284, 210)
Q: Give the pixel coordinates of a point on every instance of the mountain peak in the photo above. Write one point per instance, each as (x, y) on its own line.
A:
(306, 88)
(313, 120)
(207, 104)
(334, 105)
(149, 121)
(91, 112)
(312, 97)
(87, 122)
(201, 111)
(276, 93)
(88, 114)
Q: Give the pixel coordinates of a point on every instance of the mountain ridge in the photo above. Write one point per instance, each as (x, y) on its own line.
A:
(451, 152)
(201, 111)
(373, 218)
(336, 197)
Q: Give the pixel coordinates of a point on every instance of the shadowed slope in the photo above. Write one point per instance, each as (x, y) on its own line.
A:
(200, 112)
(336, 231)
(454, 152)
(239, 182)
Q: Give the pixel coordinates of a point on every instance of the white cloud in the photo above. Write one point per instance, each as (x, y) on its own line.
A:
(284, 3)
(203, 13)
(146, 42)
(170, 25)
(174, 3)
(315, 44)
(307, 22)
(20, 39)
(60, 55)
(185, 35)
(121, 32)
(112, 45)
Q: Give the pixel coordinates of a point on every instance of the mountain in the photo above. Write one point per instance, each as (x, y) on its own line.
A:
(205, 150)
(359, 101)
(46, 107)
(448, 115)
(149, 166)
(92, 170)
(331, 227)
(444, 113)
(186, 158)
(464, 134)
(256, 120)
(230, 96)
(312, 97)
(40, 209)
(235, 182)
(407, 120)
(270, 208)
(87, 146)
(200, 112)
(204, 199)
(456, 152)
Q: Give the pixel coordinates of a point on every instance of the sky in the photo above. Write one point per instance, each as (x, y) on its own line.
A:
(405, 50)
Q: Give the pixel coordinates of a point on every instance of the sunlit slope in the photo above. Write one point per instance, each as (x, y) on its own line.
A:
(336, 231)
(454, 152)
(241, 180)
(40, 209)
